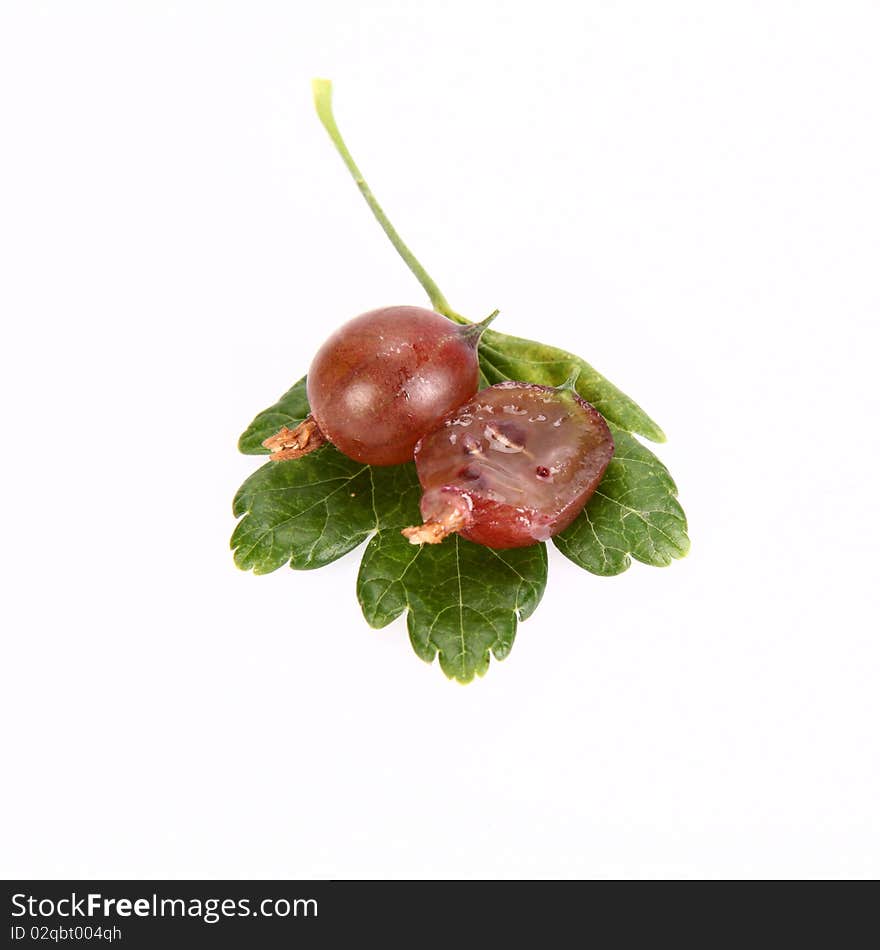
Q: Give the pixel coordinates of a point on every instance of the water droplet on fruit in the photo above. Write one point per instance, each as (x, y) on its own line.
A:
(471, 445)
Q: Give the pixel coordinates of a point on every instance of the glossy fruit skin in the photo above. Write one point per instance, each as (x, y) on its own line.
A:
(518, 461)
(387, 377)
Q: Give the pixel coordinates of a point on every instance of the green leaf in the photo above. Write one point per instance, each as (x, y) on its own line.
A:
(309, 512)
(289, 410)
(633, 514)
(464, 600)
(510, 357)
(313, 510)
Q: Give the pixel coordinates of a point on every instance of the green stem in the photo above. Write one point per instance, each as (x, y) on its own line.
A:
(323, 93)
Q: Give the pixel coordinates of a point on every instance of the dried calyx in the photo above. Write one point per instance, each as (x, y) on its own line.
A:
(294, 443)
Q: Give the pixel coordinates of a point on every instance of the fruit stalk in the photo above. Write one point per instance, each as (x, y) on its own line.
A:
(322, 90)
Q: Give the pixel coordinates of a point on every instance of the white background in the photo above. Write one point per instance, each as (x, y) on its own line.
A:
(686, 194)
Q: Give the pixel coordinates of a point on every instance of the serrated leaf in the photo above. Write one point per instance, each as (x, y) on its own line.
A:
(308, 512)
(510, 357)
(463, 600)
(289, 410)
(633, 514)
(313, 510)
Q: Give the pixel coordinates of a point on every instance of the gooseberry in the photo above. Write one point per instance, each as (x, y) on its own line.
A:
(383, 380)
(512, 466)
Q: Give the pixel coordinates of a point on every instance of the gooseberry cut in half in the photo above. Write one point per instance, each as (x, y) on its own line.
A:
(513, 466)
